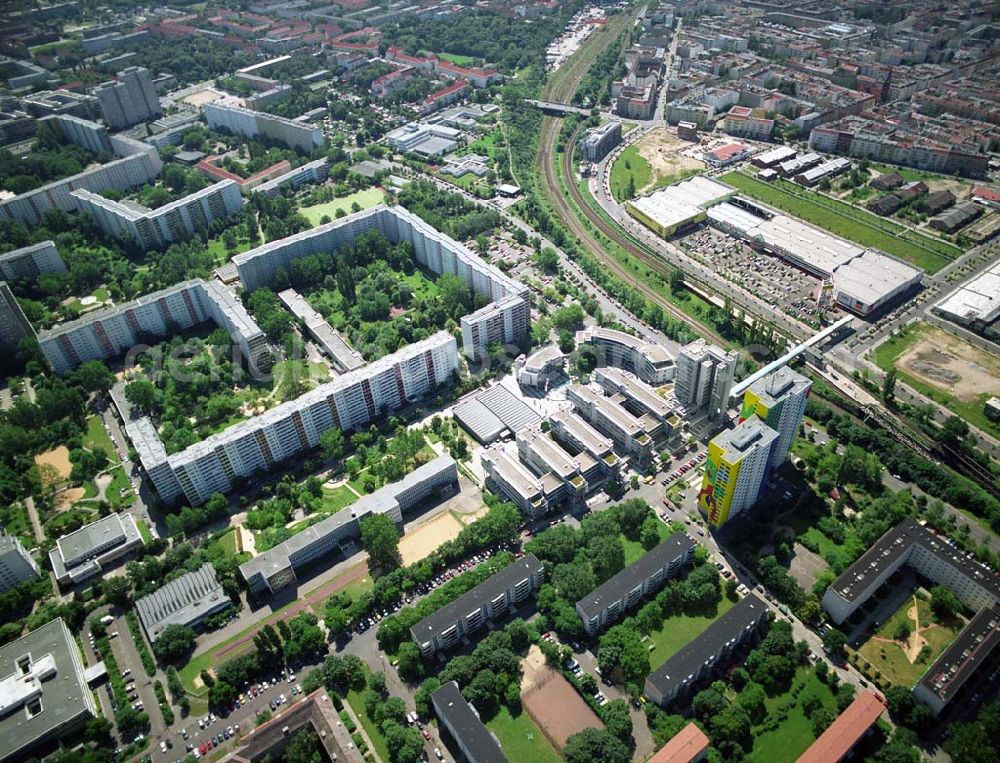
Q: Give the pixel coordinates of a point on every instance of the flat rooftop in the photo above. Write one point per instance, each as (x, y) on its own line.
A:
(549, 451)
(183, 601)
(686, 663)
(965, 656)
(619, 585)
(593, 441)
(463, 721)
(636, 389)
(81, 543)
(748, 434)
(611, 410)
(514, 473)
(436, 623)
(896, 544)
(978, 299)
(54, 677)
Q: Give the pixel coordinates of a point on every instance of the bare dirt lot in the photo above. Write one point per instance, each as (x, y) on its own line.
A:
(954, 366)
(58, 458)
(662, 151)
(552, 702)
(202, 97)
(420, 543)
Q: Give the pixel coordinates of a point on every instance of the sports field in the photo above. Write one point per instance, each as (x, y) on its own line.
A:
(366, 198)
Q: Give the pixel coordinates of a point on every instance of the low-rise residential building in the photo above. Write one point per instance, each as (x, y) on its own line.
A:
(277, 567)
(546, 457)
(850, 727)
(16, 564)
(629, 433)
(908, 543)
(344, 357)
(577, 435)
(716, 644)
(44, 694)
(689, 745)
(636, 583)
(972, 654)
(650, 361)
(492, 599)
(513, 480)
(476, 742)
(83, 553)
(186, 600)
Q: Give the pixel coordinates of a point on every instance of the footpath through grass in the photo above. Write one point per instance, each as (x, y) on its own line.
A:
(845, 220)
(357, 702)
(521, 739)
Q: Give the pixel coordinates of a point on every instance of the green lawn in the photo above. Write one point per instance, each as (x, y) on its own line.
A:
(336, 498)
(366, 198)
(634, 550)
(521, 739)
(910, 174)
(456, 58)
(793, 736)
(845, 220)
(888, 656)
(97, 437)
(119, 483)
(630, 162)
(227, 542)
(147, 536)
(973, 411)
(371, 728)
(15, 521)
(680, 630)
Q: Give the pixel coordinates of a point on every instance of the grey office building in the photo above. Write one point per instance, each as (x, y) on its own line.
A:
(44, 694)
(16, 564)
(185, 601)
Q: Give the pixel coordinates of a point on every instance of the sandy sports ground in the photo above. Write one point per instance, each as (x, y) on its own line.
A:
(552, 702)
(953, 366)
(663, 152)
(422, 542)
(201, 97)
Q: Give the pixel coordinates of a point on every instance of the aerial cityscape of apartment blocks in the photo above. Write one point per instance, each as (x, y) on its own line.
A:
(735, 470)
(112, 331)
(257, 444)
(779, 400)
(128, 100)
(434, 250)
(252, 124)
(30, 261)
(629, 433)
(156, 229)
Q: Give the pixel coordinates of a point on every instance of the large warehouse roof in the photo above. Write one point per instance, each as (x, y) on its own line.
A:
(184, 601)
(677, 203)
(977, 300)
(494, 412)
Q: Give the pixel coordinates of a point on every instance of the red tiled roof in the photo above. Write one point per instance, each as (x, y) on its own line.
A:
(987, 194)
(728, 151)
(686, 746)
(845, 732)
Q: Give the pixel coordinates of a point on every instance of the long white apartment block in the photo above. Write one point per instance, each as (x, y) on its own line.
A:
(546, 457)
(139, 164)
(30, 261)
(112, 331)
(311, 172)
(505, 320)
(251, 124)
(651, 362)
(657, 413)
(258, 444)
(158, 228)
